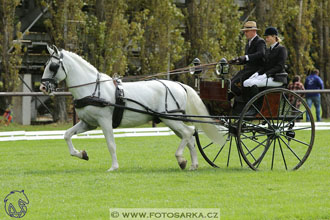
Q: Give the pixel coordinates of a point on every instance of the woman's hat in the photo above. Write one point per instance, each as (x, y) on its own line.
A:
(250, 25)
(271, 31)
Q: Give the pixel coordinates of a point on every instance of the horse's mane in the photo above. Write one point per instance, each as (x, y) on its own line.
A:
(82, 60)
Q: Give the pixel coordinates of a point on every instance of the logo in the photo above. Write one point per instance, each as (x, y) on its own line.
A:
(15, 204)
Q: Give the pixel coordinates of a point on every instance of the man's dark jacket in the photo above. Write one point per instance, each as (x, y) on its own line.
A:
(255, 52)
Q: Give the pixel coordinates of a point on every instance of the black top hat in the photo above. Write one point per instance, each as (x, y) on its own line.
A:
(271, 31)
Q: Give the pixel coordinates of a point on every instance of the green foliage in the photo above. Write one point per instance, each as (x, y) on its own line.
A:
(294, 21)
(162, 44)
(157, 35)
(299, 38)
(10, 50)
(213, 29)
(64, 24)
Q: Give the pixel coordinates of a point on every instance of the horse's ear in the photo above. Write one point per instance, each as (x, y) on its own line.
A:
(50, 50)
(56, 50)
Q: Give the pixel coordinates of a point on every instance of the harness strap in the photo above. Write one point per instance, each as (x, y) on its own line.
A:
(118, 113)
(169, 91)
(97, 85)
(88, 100)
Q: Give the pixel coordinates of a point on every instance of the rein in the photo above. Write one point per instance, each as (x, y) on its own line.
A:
(91, 83)
(172, 72)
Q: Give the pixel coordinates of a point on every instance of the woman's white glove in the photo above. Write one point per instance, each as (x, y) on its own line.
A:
(254, 75)
(263, 76)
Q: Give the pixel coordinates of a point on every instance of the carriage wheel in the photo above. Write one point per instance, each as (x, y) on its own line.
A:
(277, 136)
(220, 156)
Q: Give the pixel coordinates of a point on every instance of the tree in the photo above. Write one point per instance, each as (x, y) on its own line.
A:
(10, 58)
(212, 30)
(321, 50)
(108, 36)
(162, 44)
(299, 38)
(64, 29)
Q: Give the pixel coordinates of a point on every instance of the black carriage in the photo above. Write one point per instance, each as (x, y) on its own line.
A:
(275, 138)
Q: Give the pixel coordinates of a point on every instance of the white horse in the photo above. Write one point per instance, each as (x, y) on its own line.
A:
(81, 79)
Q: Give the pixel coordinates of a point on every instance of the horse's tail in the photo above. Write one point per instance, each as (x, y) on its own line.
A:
(195, 106)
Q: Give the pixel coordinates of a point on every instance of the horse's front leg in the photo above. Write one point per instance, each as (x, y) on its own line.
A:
(107, 129)
(80, 127)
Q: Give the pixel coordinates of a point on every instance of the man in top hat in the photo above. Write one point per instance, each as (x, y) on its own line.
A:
(252, 60)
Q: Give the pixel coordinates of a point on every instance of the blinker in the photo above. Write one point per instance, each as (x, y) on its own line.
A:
(54, 67)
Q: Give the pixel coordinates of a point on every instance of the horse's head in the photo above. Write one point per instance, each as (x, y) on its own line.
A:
(54, 71)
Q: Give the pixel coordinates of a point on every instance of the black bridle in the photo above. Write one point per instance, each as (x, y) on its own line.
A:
(50, 83)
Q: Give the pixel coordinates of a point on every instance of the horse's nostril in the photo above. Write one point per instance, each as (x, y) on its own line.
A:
(42, 88)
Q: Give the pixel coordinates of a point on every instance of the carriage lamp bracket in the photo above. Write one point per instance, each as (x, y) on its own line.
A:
(222, 68)
(193, 70)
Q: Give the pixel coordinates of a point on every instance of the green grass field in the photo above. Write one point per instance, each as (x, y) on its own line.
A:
(63, 187)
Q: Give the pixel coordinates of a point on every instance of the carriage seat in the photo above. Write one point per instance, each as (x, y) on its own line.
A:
(280, 77)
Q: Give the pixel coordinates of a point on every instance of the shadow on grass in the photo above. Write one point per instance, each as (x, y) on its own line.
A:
(132, 170)
(175, 170)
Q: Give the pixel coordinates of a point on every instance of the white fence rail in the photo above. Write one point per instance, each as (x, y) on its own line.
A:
(124, 132)
(53, 135)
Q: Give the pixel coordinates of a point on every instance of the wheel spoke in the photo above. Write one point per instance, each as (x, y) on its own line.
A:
(301, 142)
(264, 153)
(260, 144)
(239, 155)
(294, 153)
(248, 151)
(295, 118)
(273, 156)
(300, 129)
(209, 145)
(268, 122)
(269, 109)
(279, 142)
(229, 153)
(279, 108)
(287, 110)
(220, 149)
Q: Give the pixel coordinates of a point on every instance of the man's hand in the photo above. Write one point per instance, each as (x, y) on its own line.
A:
(237, 60)
(233, 61)
(241, 59)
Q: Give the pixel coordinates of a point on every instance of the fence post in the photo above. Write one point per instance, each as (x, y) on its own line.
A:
(22, 105)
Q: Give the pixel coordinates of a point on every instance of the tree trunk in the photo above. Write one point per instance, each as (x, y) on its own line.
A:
(261, 12)
(100, 7)
(325, 104)
(324, 56)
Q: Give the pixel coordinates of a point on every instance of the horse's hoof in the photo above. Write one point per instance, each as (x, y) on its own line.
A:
(183, 164)
(84, 155)
(113, 169)
(193, 167)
